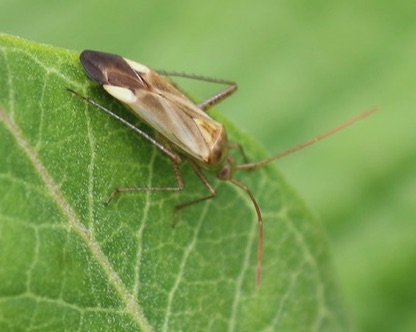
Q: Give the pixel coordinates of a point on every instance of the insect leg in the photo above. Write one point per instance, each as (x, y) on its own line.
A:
(240, 148)
(160, 146)
(179, 187)
(174, 157)
(218, 97)
(215, 99)
(205, 182)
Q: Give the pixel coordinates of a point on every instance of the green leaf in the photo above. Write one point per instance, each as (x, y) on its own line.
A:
(68, 262)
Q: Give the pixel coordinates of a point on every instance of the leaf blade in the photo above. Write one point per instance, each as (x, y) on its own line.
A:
(124, 261)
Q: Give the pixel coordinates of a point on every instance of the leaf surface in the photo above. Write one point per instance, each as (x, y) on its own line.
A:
(70, 263)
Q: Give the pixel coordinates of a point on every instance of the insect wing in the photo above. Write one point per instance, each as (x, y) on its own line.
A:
(179, 120)
(157, 102)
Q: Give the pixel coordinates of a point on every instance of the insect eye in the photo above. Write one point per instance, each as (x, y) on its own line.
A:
(224, 173)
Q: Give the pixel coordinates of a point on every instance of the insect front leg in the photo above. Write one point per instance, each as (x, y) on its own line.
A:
(240, 149)
(207, 185)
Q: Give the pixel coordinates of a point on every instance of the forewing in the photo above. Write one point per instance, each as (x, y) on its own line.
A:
(177, 119)
(110, 69)
(156, 101)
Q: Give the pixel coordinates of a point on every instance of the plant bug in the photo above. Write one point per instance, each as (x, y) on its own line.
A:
(184, 129)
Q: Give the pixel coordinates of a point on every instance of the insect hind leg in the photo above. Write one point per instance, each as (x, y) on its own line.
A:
(179, 187)
(206, 104)
(168, 152)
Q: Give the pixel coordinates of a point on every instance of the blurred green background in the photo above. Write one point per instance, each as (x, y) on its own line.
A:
(302, 68)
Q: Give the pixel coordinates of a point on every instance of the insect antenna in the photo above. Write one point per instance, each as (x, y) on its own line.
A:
(307, 143)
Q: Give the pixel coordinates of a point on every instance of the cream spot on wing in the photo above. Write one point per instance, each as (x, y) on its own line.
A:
(137, 66)
(124, 95)
(207, 129)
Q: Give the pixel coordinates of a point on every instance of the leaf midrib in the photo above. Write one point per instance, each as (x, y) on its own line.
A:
(130, 303)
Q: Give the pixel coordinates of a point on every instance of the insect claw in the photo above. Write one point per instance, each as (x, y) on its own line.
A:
(113, 194)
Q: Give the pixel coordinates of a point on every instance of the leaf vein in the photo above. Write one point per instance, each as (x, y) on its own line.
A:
(131, 305)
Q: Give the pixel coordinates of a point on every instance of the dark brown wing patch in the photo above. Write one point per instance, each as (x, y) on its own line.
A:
(111, 69)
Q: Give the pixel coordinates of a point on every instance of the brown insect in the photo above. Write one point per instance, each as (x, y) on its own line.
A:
(184, 129)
